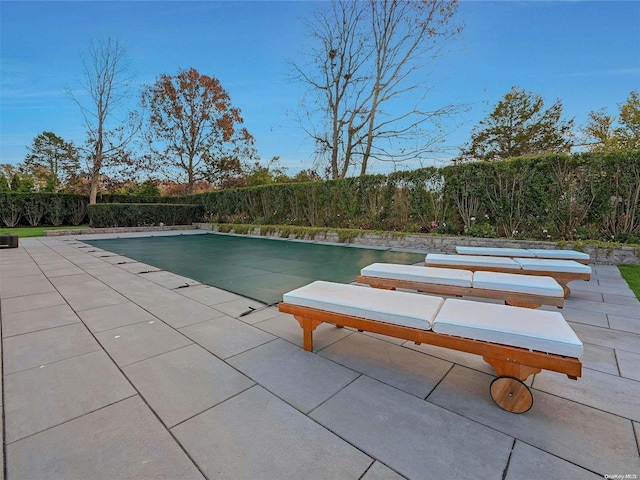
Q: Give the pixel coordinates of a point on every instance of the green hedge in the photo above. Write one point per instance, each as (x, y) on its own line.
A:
(552, 197)
(37, 209)
(54, 209)
(403, 200)
(143, 214)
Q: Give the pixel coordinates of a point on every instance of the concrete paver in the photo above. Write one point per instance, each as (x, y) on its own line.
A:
(595, 440)
(378, 471)
(528, 462)
(225, 336)
(140, 341)
(123, 440)
(629, 364)
(24, 285)
(40, 319)
(179, 395)
(74, 387)
(46, 346)
(113, 316)
(610, 393)
(626, 324)
(392, 364)
(415, 438)
(287, 328)
(599, 358)
(182, 313)
(300, 378)
(31, 302)
(185, 382)
(266, 438)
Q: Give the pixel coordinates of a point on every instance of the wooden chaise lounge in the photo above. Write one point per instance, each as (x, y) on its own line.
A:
(563, 271)
(518, 290)
(516, 342)
(549, 254)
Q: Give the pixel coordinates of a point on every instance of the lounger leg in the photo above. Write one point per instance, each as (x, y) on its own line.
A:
(308, 326)
(567, 290)
(508, 390)
(504, 368)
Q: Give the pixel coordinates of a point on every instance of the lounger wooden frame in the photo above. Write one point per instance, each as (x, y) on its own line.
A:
(563, 278)
(517, 299)
(507, 361)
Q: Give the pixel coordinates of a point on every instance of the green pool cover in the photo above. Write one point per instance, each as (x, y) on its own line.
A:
(258, 268)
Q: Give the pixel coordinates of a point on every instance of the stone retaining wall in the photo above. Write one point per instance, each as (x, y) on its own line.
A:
(90, 231)
(425, 243)
(444, 244)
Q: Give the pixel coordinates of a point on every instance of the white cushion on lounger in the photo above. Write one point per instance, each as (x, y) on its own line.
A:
(496, 252)
(519, 327)
(411, 273)
(513, 282)
(399, 308)
(544, 265)
(559, 254)
(471, 260)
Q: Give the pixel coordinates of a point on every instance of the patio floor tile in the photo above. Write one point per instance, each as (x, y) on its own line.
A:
(185, 382)
(114, 316)
(208, 295)
(266, 438)
(626, 324)
(378, 471)
(404, 436)
(25, 285)
(599, 358)
(34, 320)
(629, 364)
(225, 336)
(405, 369)
(31, 302)
(123, 440)
(596, 440)
(140, 341)
(74, 387)
(46, 346)
(610, 393)
(300, 378)
(528, 462)
(184, 312)
(606, 337)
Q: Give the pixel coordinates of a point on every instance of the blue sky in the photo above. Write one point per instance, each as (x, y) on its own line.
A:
(585, 53)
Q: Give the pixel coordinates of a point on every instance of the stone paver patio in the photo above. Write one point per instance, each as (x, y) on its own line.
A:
(109, 372)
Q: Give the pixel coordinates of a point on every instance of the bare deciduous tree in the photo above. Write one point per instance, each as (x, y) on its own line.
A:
(367, 76)
(106, 80)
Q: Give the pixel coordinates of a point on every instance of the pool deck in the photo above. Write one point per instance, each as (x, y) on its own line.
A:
(113, 369)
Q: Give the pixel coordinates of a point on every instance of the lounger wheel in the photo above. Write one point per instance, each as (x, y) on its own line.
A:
(511, 394)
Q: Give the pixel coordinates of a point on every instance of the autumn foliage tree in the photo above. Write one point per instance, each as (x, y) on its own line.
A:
(193, 129)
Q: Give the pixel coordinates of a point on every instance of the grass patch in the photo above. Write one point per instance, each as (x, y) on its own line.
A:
(26, 232)
(631, 273)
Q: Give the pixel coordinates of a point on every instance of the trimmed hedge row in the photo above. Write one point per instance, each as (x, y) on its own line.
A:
(143, 214)
(38, 209)
(569, 197)
(42, 209)
(555, 197)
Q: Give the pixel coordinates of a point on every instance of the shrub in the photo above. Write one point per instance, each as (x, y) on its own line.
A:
(143, 214)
